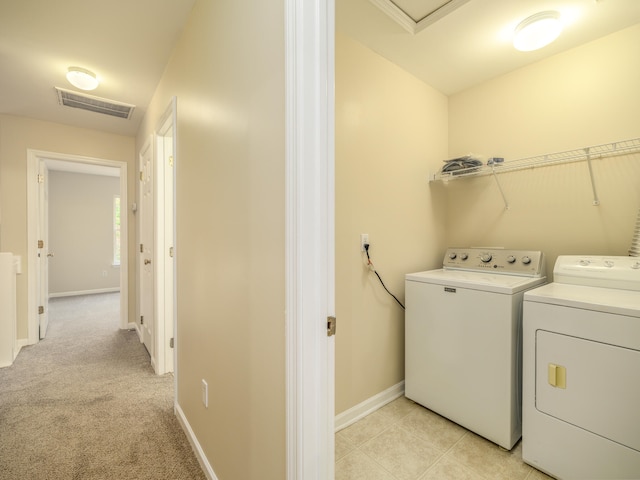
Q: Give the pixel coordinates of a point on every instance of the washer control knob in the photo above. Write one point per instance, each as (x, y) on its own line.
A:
(608, 263)
(585, 262)
(511, 259)
(452, 255)
(486, 257)
(526, 260)
(636, 265)
(464, 256)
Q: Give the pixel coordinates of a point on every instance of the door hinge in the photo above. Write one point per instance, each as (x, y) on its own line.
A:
(141, 176)
(40, 309)
(141, 319)
(171, 252)
(331, 326)
(40, 178)
(171, 343)
(40, 243)
(171, 161)
(141, 248)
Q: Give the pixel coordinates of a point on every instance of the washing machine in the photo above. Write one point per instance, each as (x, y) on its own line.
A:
(463, 336)
(581, 370)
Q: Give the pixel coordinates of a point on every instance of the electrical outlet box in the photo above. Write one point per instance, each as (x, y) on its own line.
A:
(205, 393)
(364, 239)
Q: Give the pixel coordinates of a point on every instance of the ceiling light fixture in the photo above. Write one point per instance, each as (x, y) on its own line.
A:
(537, 31)
(82, 78)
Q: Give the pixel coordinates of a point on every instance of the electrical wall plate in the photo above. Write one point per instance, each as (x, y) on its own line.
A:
(364, 240)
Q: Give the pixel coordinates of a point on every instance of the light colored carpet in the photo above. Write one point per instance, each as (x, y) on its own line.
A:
(85, 404)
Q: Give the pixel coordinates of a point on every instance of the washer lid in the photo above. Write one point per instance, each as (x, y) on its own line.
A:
(488, 282)
(608, 300)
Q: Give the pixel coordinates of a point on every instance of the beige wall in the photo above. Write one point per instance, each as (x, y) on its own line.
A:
(586, 96)
(227, 73)
(18, 134)
(81, 232)
(391, 130)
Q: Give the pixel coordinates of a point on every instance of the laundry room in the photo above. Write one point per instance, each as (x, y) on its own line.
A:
(393, 133)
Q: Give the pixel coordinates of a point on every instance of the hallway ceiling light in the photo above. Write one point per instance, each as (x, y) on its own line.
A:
(82, 78)
(537, 31)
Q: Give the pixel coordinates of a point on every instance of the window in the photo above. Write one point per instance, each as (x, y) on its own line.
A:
(116, 230)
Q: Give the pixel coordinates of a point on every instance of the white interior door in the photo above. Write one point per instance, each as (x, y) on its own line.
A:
(146, 252)
(44, 252)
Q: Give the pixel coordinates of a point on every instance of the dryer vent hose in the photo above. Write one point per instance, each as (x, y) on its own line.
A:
(634, 251)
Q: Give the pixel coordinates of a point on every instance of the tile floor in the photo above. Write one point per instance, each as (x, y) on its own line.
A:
(405, 441)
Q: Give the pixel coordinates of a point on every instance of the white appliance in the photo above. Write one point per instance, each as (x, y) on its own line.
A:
(581, 391)
(463, 338)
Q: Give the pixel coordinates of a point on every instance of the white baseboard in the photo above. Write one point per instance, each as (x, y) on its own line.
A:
(84, 292)
(342, 420)
(21, 342)
(202, 459)
(17, 346)
(370, 405)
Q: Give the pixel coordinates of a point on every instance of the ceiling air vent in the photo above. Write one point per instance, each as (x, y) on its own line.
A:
(68, 98)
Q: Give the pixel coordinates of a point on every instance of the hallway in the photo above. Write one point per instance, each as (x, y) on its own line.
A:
(85, 403)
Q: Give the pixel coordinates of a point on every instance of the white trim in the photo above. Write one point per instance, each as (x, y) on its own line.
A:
(113, 216)
(34, 157)
(408, 23)
(20, 342)
(136, 327)
(370, 405)
(84, 292)
(309, 119)
(193, 440)
(164, 235)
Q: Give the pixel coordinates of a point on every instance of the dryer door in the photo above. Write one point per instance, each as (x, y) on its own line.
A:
(591, 385)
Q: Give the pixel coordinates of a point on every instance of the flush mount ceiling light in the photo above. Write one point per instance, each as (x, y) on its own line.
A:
(537, 31)
(82, 78)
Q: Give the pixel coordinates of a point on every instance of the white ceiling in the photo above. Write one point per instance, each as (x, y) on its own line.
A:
(127, 43)
(472, 43)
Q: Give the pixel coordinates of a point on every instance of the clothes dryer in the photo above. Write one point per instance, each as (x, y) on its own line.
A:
(581, 378)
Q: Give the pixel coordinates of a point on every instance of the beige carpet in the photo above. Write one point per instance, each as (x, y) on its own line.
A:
(84, 404)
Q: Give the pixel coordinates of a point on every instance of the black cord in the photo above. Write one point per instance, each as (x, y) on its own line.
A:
(369, 262)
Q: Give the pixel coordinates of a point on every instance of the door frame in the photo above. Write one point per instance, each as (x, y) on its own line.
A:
(165, 256)
(163, 358)
(310, 219)
(34, 159)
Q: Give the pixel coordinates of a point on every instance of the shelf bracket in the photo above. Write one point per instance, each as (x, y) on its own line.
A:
(504, 198)
(596, 200)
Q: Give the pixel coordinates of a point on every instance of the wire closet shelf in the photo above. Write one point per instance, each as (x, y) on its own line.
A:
(587, 153)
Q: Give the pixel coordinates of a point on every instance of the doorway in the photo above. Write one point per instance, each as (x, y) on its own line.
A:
(156, 305)
(39, 163)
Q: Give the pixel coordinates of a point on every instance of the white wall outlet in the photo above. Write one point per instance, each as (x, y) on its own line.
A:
(205, 393)
(364, 239)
